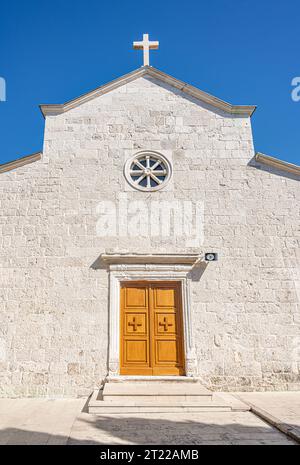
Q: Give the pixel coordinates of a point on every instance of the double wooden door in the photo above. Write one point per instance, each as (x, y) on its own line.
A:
(151, 329)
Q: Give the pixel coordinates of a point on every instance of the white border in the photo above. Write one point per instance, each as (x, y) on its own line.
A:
(154, 272)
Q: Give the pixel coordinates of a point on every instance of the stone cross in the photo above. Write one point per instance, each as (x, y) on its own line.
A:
(146, 45)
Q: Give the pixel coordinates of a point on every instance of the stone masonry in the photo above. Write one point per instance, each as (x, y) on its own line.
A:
(54, 300)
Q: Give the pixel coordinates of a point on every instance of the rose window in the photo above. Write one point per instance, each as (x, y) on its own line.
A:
(148, 171)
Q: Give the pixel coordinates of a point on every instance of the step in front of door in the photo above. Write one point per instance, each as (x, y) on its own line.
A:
(104, 407)
(156, 392)
(153, 379)
(163, 404)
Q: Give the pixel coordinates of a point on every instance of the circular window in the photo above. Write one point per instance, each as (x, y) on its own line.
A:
(148, 171)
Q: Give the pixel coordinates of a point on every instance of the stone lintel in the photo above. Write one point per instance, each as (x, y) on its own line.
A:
(149, 259)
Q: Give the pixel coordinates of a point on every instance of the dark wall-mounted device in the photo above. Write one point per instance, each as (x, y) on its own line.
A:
(211, 257)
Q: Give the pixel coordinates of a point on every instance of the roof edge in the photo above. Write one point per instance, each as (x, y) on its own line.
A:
(277, 163)
(11, 165)
(203, 96)
(56, 109)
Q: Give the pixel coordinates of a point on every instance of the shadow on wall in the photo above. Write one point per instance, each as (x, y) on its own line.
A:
(196, 273)
(253, 163)
(99, 264)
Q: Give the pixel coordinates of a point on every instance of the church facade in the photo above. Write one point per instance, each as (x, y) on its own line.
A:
(148, 239)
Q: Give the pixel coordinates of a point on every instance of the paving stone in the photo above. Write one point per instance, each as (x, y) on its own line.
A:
(62, 422)
(281, 409)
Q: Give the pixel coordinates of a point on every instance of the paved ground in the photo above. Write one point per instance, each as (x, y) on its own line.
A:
(61, 421)
(281, 408)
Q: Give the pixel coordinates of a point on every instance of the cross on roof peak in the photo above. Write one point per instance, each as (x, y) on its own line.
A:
(146, 45)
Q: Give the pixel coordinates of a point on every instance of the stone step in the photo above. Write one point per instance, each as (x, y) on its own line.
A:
(150, 398)
(152, 379)
(159, 408)
(155, 392)
(177, 400)
(103, 407)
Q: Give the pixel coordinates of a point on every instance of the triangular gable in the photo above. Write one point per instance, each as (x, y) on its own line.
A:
(56, 109)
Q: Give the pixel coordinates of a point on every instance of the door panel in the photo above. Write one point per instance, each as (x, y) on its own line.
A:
(135, 348)
(136, 351)
(166, 351)
(151, 329)
(135, 297)
(166, 324)
(164, 297)
(136, 324)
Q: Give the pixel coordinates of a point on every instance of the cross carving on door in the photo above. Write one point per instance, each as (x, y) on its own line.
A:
(134, 324)
(165, 324)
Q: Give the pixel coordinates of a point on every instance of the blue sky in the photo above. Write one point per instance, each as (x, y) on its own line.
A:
(242, 51)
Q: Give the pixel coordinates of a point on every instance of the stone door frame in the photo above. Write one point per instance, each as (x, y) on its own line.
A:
(149, 272)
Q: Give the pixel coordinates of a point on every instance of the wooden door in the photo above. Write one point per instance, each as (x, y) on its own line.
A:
(151, 329)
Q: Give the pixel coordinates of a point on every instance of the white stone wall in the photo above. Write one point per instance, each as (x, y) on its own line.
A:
(54, 294)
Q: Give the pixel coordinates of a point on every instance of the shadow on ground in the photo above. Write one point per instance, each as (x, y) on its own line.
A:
(148, 430)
